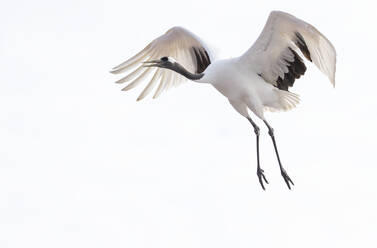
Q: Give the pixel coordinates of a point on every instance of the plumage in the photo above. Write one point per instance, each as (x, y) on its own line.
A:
(258, 80)
(268, 54)
(177, 43)
(296, 68)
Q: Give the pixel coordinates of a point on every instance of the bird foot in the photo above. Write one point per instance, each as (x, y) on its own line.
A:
(261, 177)
(287, 179)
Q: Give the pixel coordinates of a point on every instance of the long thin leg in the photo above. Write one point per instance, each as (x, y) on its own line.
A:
(287, 179)
(260, 172)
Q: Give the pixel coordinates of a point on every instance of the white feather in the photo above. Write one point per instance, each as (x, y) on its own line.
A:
(176, 43)
(267, 54)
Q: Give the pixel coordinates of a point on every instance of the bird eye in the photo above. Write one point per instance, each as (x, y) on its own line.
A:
(164, 59)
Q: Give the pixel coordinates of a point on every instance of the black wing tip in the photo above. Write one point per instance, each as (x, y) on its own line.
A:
(202, 59)
(296, 69)
(301, 44)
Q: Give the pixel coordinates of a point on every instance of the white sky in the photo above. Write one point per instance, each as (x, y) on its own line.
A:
(82, 164)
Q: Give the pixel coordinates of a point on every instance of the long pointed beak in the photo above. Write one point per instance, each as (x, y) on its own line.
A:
(151, 63)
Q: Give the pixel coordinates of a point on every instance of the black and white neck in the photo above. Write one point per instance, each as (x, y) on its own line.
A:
(181, 70)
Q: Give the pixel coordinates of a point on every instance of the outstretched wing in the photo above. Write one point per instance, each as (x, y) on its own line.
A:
(177, 43)
(274, 55)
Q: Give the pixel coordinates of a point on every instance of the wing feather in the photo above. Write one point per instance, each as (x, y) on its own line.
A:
(131, 76)
(151, 84)
(138, 79)
(178, 43)
(161, 85)
(274, 54)
(132, 61)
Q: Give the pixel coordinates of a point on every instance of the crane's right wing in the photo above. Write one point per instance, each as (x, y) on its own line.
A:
(178, 43)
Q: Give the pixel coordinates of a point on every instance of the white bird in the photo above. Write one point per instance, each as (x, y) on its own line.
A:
(258, 80)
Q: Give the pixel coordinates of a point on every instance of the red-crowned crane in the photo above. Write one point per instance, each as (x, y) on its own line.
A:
(257, 80)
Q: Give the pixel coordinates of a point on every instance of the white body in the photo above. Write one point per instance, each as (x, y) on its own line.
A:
(244, 88)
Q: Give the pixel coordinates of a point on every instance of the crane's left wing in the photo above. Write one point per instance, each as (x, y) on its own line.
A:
(274, 55)
(178, 43)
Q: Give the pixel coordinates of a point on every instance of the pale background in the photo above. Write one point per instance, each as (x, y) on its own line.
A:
(82, 164)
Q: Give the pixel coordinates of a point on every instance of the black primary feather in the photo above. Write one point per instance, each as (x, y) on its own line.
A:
(202, 59)
(296, 68)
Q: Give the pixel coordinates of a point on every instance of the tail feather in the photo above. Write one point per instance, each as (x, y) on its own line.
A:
(285, 101)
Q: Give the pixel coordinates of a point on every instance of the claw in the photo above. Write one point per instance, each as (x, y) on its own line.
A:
(261, 177)
(287, 179)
